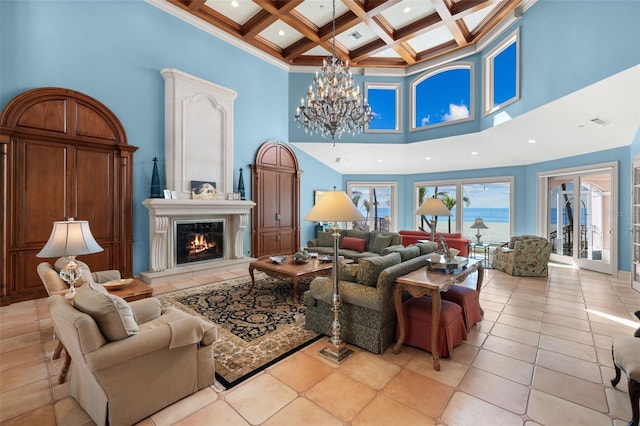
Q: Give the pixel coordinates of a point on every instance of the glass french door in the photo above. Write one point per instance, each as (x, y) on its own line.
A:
(578, 218)
(376, 202)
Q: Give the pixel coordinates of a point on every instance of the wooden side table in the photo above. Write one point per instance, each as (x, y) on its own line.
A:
(423, 282)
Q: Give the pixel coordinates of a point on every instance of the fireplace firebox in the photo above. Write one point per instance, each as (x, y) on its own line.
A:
(199, 240)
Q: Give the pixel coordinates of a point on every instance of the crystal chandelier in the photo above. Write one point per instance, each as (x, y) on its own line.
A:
(336, 107)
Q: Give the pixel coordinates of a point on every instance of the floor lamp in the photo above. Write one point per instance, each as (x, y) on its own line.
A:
(335, 206)
(70, 238)
(434, 207)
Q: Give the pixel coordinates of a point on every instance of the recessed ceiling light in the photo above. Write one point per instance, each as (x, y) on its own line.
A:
(474, 152)
(281, 33)
(234, 3)
(531, 141)
(380, 160)
(427, 158)
(407, 9)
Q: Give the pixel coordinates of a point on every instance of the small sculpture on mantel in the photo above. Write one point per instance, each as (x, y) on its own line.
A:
(241, 186)
(156, 188)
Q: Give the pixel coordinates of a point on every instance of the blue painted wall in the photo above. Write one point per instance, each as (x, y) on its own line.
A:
(114, 51)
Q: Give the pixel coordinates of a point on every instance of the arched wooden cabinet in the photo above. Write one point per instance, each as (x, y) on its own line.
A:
(64, 154)
(276, 191)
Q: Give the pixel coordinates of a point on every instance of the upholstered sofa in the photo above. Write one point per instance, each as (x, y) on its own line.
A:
(368, 316)
(356, 244)
(454, 240)
(131, 360)
(524, 256)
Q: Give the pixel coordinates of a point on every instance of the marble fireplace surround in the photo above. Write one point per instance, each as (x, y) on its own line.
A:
(198, 146)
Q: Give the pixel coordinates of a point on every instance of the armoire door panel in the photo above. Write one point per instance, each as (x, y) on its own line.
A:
(269, 243)
(287, 240)
(269, 205)
(95, 191)
(42, 194)
(285, 207)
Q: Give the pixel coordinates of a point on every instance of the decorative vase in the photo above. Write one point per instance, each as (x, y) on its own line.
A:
(156, 188)
(241, 185)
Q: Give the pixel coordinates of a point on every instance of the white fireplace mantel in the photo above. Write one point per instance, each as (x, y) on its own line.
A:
(163, 214)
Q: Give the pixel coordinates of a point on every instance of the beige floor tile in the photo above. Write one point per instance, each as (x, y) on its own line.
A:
(69, 413)
(491, 306)
(218, 412)
(619, 402)
(15, 328)
(516, 334)
(370, 370)
(523, 312)
(259, 398)
(571, 388)
(504, 366)
(496, 390)
(384, 411)
(43, 416)
(611, 329)
(566, 347)
(22, 356)
(569, 365)
(428, 396)
(22, 400)
(490, 315)
(184, 407)
(527, 304)
(608, 373)
(464, 353)
(604, 356)
(567, 312)
(572, 334)
(468, 410)
(19, 342)
(528, 296)
(551, 410)
(341, 395)
(22, 375)
(451, 372)
(565, 321)
(300, 371)
(302, 412)
(519, 322)
(492, 297)
(403, 357)
(575, 298)
(511, 348)
(475, 337)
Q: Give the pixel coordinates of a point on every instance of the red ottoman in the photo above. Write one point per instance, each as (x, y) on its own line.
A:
(417, 325)
(469, 300)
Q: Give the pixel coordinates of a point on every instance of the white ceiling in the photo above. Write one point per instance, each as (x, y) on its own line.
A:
(562, 128)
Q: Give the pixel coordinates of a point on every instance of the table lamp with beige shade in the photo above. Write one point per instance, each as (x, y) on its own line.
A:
(434, 207)
(478, 225)
(335, 206)
(70, 238)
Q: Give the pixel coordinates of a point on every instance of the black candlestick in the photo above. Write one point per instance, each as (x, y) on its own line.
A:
(241, 185)
(156, 189)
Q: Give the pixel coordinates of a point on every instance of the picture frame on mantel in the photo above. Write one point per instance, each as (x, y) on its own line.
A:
(203, 190)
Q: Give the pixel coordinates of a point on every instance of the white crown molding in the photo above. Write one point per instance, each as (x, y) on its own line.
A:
(211, 29)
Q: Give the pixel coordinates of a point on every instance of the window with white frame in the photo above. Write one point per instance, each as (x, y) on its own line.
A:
(442, 96)
(377, 203)
(489, 198)
(384, 99)
(501, 73)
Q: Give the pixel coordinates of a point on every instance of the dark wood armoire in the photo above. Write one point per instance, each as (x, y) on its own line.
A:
(63, 154)
(276, 191)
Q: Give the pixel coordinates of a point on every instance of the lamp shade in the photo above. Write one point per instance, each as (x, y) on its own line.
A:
(70, 238)
(479, 224)
(334, 206)
(433, 207)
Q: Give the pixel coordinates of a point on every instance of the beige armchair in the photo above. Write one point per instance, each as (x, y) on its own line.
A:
(131, 360)
(525, 256)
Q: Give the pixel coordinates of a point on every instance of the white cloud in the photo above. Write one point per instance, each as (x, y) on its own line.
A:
(426, 120)
(456, 112)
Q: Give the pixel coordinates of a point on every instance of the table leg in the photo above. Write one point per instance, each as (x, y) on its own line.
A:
(479, 284)
(295, 293)
(253, 280)
(65, 367)
(397, 300)
(435, 321)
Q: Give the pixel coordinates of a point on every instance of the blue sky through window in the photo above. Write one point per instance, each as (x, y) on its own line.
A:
(383, 105)
(504, 75)
(443, 97)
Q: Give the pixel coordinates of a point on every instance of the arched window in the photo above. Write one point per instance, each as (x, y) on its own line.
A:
(501, 73)
(443, 96)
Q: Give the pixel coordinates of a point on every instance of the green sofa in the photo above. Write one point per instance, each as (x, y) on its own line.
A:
(376, 243)
(368, 316)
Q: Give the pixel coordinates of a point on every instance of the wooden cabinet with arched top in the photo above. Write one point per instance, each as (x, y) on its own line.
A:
(276, 192)
(64, 154)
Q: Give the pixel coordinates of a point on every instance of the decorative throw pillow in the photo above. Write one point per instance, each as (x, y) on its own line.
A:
(408, 252)
(427, 247)
(380, 242)
(112, 314)
(325, 239)
(357, 233)
(352, 243)
(348, 271)
(370, 268)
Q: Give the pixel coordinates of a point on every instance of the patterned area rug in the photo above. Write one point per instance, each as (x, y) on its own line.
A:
(255, 330)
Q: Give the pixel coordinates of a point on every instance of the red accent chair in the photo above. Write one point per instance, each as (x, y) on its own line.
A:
(454, 240)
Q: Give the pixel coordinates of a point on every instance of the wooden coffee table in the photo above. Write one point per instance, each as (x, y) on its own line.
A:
(135, 291)
(431, 282)
(289, 269)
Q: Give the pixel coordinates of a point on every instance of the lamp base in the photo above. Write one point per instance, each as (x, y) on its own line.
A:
(336, 354)
(478, 238)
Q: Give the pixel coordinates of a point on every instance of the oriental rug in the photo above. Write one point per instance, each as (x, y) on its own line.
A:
(255, 330)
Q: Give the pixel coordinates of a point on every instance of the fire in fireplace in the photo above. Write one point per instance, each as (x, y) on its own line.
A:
(199, 240)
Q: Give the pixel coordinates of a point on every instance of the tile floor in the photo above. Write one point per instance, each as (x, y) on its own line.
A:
(542, 355)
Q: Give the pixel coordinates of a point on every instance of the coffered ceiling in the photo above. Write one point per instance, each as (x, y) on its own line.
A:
(369, 33)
